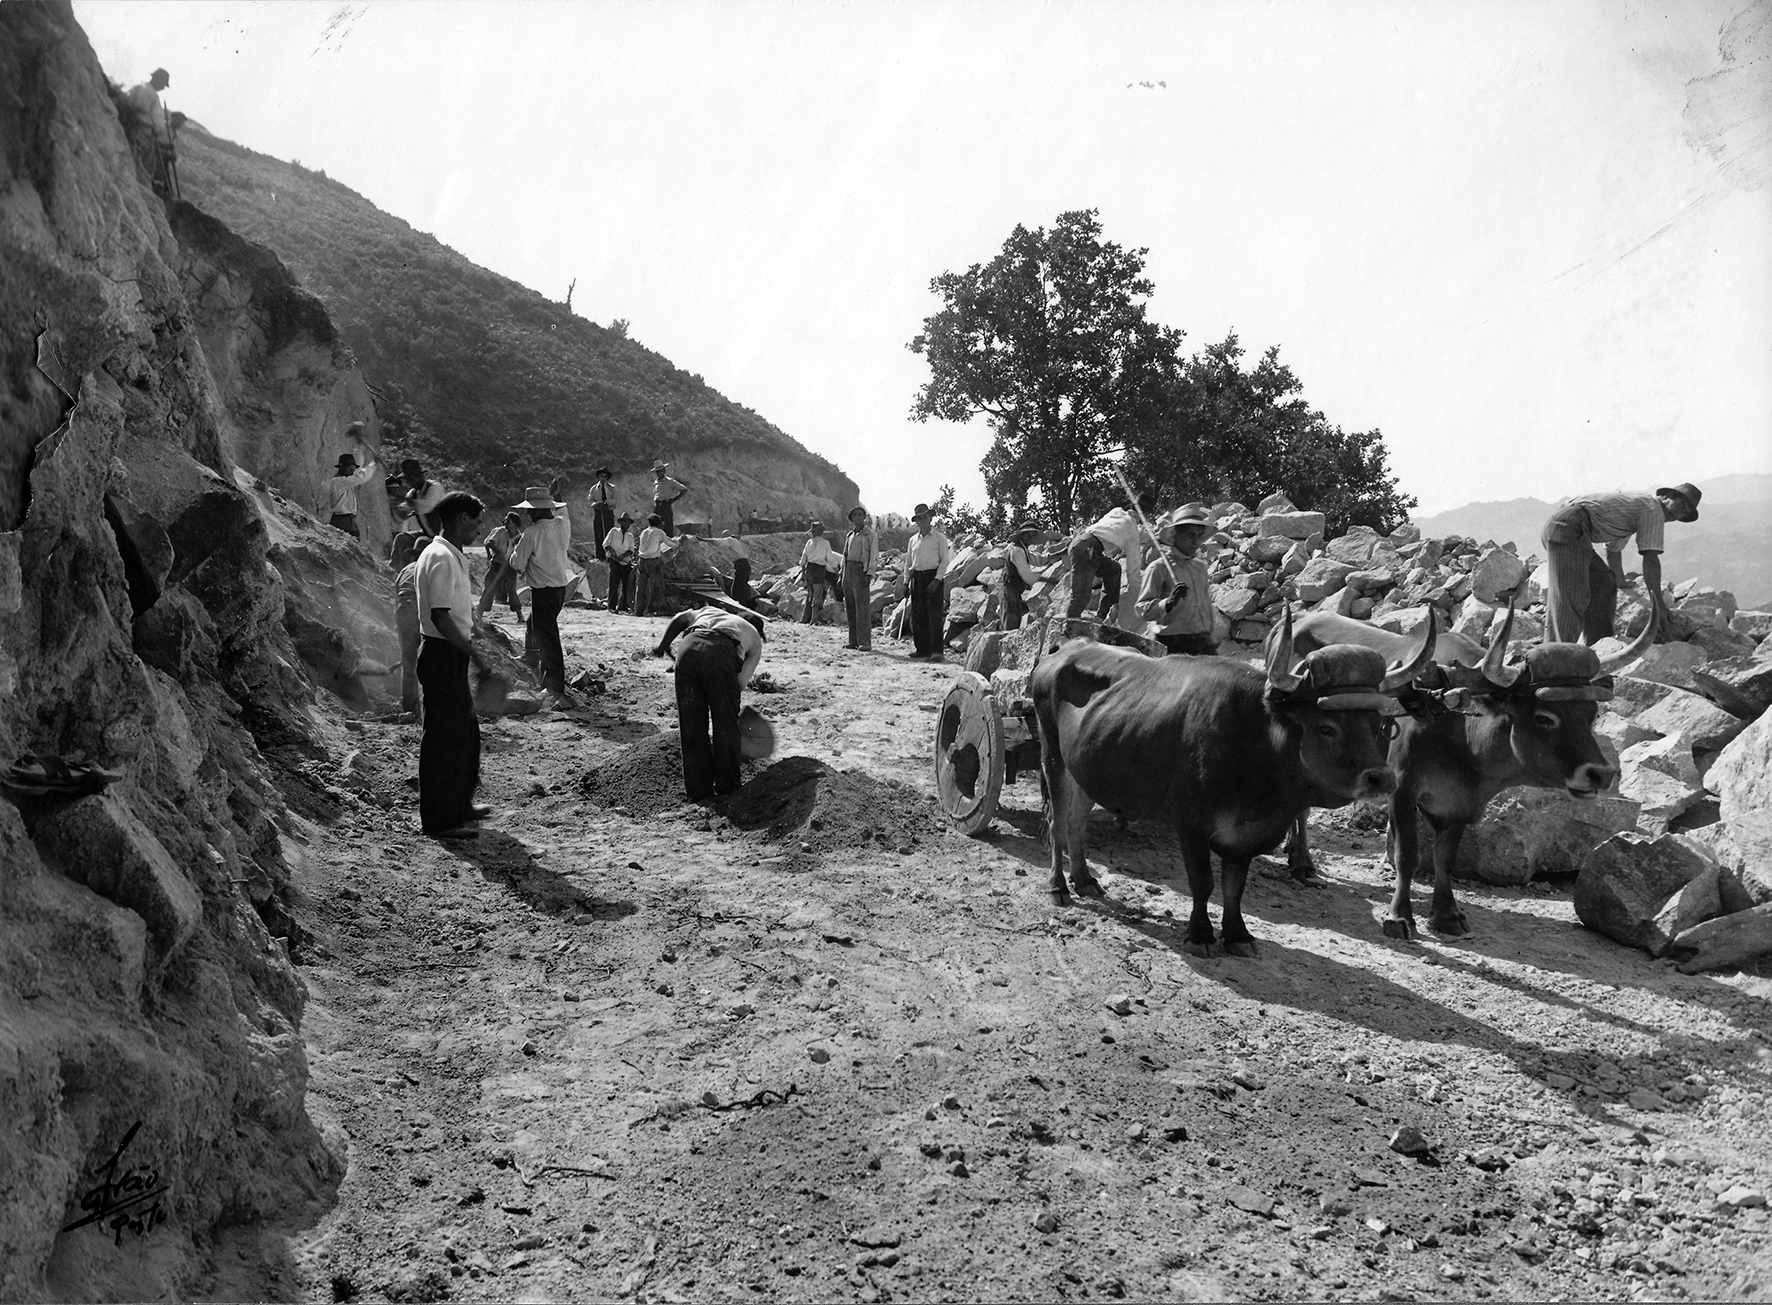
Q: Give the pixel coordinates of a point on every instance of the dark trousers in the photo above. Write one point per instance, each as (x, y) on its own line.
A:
(858, 604)
(1015, 607)
(1191, 645)
(817, 579)
(621, 586)
(928, 611)
(347, 522)
(667, 519)
(501, 587)
(406, 622)
(708, 693)
(449, 753)
(1088, 563)
(543, 635)
(602, 522)
(651, 585)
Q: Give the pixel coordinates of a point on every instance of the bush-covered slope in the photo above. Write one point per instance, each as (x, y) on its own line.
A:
(484, 378)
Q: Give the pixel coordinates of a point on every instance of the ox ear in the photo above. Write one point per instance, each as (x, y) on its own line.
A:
(1494, 668)
(1398, 677)
(1636, 648)
(1281, 657)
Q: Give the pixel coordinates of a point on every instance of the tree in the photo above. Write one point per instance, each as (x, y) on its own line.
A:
(1049, 341)
(1230, 433)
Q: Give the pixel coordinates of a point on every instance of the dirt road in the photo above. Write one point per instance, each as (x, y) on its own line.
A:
(818, 1046)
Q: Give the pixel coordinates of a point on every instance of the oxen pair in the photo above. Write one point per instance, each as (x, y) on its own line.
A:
(1233, 758)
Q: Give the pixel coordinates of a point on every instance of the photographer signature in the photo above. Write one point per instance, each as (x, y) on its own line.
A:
(123, 1200)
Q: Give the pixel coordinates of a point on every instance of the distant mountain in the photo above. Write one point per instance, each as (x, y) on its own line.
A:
(1729, 546)
(487, 381)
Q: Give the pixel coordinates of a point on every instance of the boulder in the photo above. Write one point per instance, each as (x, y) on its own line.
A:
(1235, 599)
(1626, 881)
(1632, 696)
(1741, 686)
(1666, 754)
(1698, 901)
(1321, 577)
(1726, 940)
(1296, 559)
(1342, 602)
(1291, 525)
(98, 842)
(1526, 626)
(1356, 547)
(1373, 580)
(1411, 621)
(1661, 797)
(1741, 775)
(1743, 847)
(1474, 619)
(1406, 534)
(1268, 548)
(1721, 641)
(1498, 573)
(1528, 832)
(1620, 731)
(1755, 625)
(1667, 663)
(1275, 502)
(1704, 725)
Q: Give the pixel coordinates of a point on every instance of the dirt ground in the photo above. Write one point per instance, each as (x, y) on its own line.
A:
(815, 1045)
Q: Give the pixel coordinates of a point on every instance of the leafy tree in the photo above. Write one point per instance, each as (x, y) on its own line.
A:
(1233, 433)
(1049, 341)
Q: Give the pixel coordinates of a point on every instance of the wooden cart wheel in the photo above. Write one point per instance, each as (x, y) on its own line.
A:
(969, 753)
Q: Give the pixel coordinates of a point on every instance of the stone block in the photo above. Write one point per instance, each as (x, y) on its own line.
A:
(98, 841)
(984, 652)
(1372, 580)
(1725, 941)
(1341, 602)
(1741, 686)
(1411, 621)
(1527, 832)
(1355, 547)
(1755, 625)
(1291, 525)
(1235, 600)
(1275, 502)
(1321, 577)
(1743, 847)
(1474, 619)
(1267, 548)
(1698, 901)
(1626, 880)
(1741, 776)
(1704, 725)
(1249, 631)
(1621, 731)
(1667, 663)
(1660, 797)
(1406, 534)
(1526, 625)
(1296, 559)
(1497, 573)
(1632, 696)
(1666, 754)
(1721, 641)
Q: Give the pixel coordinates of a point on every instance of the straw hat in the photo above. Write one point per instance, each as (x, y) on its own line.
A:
(537, 496)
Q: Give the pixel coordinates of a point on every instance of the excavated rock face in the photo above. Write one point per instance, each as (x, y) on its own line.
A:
(142, 626)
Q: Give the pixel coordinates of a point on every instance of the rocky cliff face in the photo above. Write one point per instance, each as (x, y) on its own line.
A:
(151, 1066)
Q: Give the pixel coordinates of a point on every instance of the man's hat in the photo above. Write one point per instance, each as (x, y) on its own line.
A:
(660, 464)
(817, 527)
(921, 510)
(604, 471)
(347, 457)
(1025, 528)
(1190, 514)
(1691, 493)
(626, 519)
(537, 496)
(411, 464)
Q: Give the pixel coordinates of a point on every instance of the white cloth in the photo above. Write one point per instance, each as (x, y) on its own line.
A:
(1614, 518)
(147, 100)
(540, 556)
(1119, 531)
(341, 491)
(620, 544)
(652, 542)
(750, 643)
(929, 552)
(424, 502)
(818, 552)
(442, 578)
(665, 488)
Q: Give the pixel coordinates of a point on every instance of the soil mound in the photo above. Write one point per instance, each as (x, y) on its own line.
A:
(644, 779)
(803, 800)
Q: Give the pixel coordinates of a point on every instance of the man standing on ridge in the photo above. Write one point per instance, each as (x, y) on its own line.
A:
(926, 559)
(602, 512)
(1583, 592)
(665, 492)
(341, 489)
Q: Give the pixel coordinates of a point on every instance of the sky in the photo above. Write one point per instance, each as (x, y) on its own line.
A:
(1530, 243)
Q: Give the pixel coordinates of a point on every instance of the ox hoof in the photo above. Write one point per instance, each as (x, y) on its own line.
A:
(1246, 948)
(1060, 896)
(1200, 949)
(1086, 885)
(1399, 927)
(1307, 873)
(1453, 925)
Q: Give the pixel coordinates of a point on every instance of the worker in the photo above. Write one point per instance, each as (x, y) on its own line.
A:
(1102, 549)
(1583, 592)
(341, 489)
(1178, 596)
(716, 653)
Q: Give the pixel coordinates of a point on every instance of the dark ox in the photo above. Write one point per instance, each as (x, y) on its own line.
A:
(1475, 724)
(1226, 755)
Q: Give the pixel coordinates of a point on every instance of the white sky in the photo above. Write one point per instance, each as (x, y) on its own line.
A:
(1479, 227)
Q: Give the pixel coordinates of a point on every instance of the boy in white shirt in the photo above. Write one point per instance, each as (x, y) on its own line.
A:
(815, 570)
(620, 549)
(651, 550)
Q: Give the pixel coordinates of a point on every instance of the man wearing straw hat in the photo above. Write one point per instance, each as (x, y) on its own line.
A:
(341, 489)
(1178, 597)
(621, 549)
(540, 558)
(1018, 574)
(602, 511)
(665, 492)
(1583, 590)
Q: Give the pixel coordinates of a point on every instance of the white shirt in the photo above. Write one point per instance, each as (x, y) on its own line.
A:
(442, 578)
(929, 552)
(750, 643)
(427, 497)
(540, 556)
(1119, 530)
(817, 552)
(652, 541)
(666, 489)
(341, 491)
(620, 542)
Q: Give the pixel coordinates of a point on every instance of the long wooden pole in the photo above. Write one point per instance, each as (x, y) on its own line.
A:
(1132, 498)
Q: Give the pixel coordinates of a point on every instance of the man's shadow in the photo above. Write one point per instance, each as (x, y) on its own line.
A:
(506, 861)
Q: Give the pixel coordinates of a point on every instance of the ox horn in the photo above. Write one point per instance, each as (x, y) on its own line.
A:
(1492, 668)
(1636, 648)
(1281, 657)
(1398, 677)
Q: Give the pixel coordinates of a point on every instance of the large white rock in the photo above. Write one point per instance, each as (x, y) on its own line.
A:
(1292, 525)
(1667, 663)
(1321, 577)
(1667, 754)
(1743, 845)
(1497, 573)
(1704, 725)
(1526, 832)
(1235, 600)
(1741, 686)
(1627, 880)
(1621, 731)
(1741, 776)
(1474, 619)
(1356, 547)
(1405, 620)
(1659, 796)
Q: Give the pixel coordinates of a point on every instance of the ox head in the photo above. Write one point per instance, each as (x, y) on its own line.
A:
(1548, 699)
(1331, 700)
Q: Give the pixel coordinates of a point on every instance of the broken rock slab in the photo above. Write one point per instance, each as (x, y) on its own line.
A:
(1292, 525)
(1528, 832)
(1661, 798)
(1726, 940)
(1704, 726)
(1741, 775)
(1741, 686)
(1667, 663)
(1698, 901)
(1743, 847)
(97, 841)
(1626, 882)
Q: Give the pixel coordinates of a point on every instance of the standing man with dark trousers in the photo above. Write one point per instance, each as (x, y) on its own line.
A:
(449, 753)
(926, 558)
(540, 557)
(620, 550)
(716, 654)
(665, 492)
(1583, 592)
(861, 558)
(341, 489)
(602, 511)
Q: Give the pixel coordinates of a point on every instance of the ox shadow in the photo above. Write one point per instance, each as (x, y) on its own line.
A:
(508, 863)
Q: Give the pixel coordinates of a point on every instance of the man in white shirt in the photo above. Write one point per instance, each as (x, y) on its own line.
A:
(716, 654)
(651, 551)
(602, 498)
(665, 493)
(815, 571)
(1582, 596)
(621, 548)
(926, 558)
(422, 497)
(540, 558)
(341, 489)
(449, 753)
(1116, 535)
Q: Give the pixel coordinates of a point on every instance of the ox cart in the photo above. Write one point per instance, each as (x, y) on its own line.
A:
(985, 734)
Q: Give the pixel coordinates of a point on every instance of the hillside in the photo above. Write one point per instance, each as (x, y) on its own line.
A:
(486, 380)
(1730, 545)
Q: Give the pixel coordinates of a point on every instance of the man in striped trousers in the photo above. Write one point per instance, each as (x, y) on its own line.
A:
(1583, 589)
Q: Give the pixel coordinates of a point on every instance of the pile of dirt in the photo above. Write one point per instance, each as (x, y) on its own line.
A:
(645, 779)
(822, 809)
